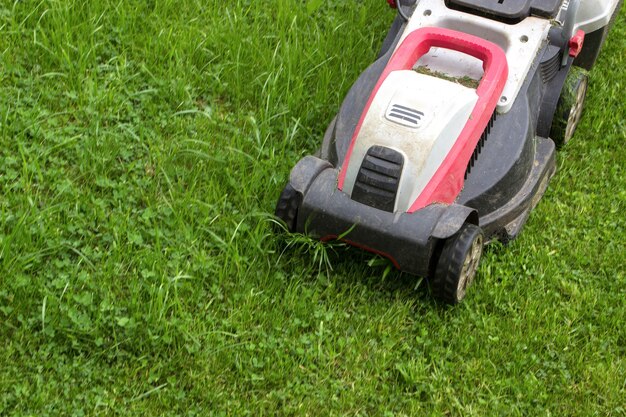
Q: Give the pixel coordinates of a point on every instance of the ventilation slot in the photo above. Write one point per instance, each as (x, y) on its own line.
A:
(551, 66)
(405, 115)
(481, 144)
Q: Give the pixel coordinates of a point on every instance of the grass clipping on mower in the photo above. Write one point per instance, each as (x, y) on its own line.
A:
(464, 81)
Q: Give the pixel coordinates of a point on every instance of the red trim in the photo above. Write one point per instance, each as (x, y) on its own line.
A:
(360, 246)
(392, 4)
(447, 181)
(576, 43)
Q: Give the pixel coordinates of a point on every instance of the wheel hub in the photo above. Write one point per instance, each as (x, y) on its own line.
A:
(470, 266)
(576, 112)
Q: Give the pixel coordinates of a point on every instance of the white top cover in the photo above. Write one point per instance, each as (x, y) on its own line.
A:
(419, 116)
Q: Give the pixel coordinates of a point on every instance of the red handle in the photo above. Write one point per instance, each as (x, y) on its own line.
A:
(447, 182)
(419, 42)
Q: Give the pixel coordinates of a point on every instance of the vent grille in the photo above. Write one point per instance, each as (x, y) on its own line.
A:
(378, 179)
(480, 145)
(404, 115)
(550, 67)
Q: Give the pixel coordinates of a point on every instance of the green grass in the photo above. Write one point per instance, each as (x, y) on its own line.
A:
(142, 147)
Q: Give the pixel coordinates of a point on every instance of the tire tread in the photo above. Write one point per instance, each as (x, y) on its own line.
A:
(446, 278)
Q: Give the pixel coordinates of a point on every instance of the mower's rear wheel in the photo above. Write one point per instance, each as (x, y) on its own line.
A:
(458, 264)
(570, 107)
(287, 207)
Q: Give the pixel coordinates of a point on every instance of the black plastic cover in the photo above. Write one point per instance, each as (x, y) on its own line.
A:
(508, 11)
(409, 240)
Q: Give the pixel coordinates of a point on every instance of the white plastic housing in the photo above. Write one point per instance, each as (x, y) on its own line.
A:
(436, 111)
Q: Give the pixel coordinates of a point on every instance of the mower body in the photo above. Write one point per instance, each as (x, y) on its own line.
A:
(452, 125)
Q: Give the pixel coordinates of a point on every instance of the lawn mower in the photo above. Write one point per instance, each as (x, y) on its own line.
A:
(447, 141)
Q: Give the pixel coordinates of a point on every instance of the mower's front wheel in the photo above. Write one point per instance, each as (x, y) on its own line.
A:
(287, 207)
(458, 264)
(301, 178)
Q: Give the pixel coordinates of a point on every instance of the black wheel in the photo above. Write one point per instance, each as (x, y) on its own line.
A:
(570, 107)
(458, 264)
(287, 207)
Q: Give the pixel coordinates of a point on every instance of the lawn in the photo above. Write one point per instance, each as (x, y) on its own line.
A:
(143, 145)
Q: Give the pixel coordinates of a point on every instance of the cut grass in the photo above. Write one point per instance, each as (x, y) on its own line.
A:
(143, 145)
(465, 81)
